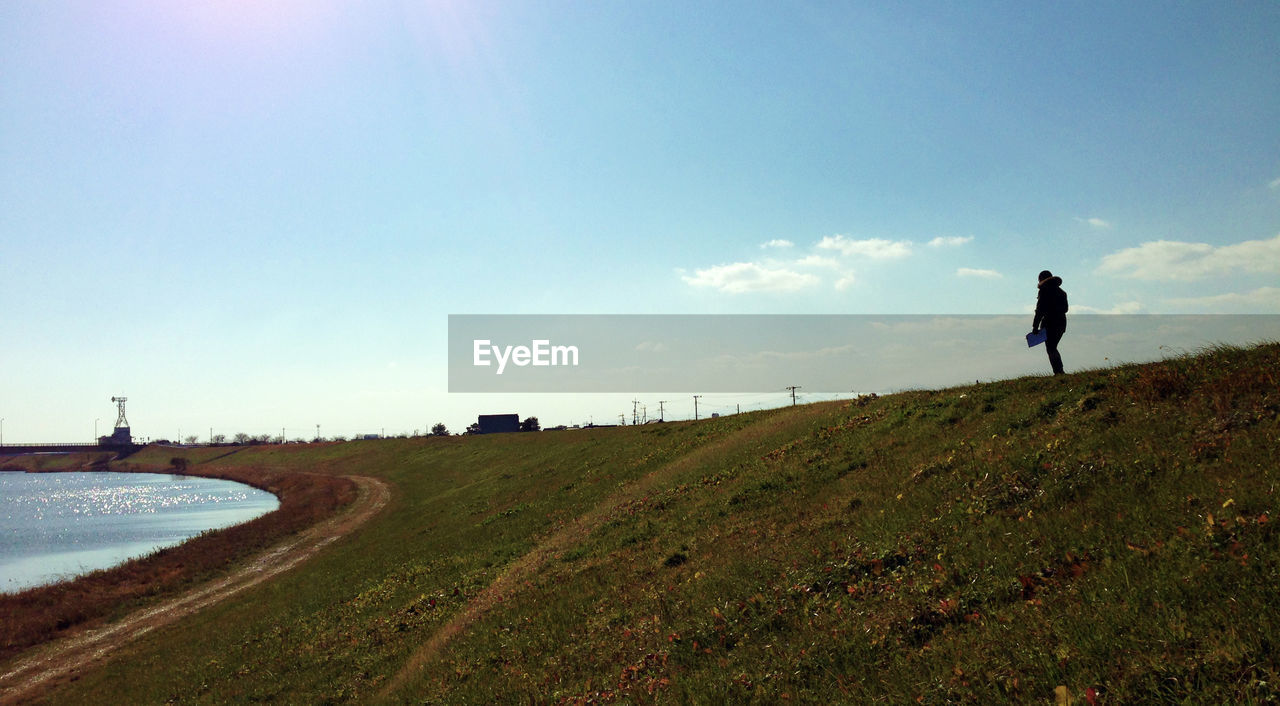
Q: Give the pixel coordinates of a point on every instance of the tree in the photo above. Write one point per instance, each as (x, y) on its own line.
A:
(219, 438)
(241, 438)
(530, 424)
(439, 429)
(191, 440)
(473, 428)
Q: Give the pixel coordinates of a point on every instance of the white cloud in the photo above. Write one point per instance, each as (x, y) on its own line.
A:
(846, 281)
(950, 241)
(816, 261)
(1176, 260)
(1259, 301)
(756, 358)
(1275, 184)
(1121, 308)
(777, 243)
(874, 248)
(972, 272)
(940, 324)
(741, 277)
(1095, 223)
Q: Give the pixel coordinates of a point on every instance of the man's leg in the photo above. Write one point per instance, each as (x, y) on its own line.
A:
(1051, 345)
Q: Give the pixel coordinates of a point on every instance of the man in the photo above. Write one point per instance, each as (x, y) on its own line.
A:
(1051, 310)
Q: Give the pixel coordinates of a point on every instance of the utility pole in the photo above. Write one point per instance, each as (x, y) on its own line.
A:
(695, 407)
(793, 389)
(282, 436)
(317, 432)
(644, 414)
(662, 417)
(739, 408)
(635, 418)
(622, 420)
(95, 428)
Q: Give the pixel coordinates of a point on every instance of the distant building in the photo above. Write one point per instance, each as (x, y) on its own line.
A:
(498, 423)
(119, 437)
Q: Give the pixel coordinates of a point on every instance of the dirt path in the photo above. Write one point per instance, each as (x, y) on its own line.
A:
(524, 568)
(62, 660)
(517, 573)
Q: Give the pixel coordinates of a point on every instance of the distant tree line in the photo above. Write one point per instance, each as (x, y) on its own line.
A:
(243, 439)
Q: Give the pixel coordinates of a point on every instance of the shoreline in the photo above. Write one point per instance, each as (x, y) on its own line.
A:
(71, 523)
(41, 614)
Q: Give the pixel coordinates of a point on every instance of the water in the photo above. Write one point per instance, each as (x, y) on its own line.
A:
(57, 525)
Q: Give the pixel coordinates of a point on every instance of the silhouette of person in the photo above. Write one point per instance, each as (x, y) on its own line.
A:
(1051, 311)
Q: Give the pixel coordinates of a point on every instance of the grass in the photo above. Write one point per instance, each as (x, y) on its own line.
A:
(1110, 533)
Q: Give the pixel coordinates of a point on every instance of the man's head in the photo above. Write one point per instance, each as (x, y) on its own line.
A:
(1044, 275)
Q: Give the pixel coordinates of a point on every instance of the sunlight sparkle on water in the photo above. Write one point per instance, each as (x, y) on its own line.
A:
(56, 525)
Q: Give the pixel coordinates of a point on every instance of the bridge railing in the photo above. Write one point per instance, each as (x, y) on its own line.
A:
(85, 445)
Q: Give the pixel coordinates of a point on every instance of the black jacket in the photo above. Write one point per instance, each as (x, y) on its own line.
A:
(1051, 305)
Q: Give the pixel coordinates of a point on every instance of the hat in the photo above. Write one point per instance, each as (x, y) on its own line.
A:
(1044, 275)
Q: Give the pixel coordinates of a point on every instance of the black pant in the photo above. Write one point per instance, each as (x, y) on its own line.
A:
(1051, 345)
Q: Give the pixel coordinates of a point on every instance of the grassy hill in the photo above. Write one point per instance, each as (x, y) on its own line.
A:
(1110, 532)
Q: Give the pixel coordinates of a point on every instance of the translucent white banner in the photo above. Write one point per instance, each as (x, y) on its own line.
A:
(820, 353)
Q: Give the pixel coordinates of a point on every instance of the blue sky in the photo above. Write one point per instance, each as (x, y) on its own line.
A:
(258, 215)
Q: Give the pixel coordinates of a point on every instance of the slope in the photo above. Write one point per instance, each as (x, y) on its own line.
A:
(1109, 534)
